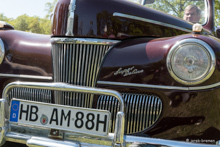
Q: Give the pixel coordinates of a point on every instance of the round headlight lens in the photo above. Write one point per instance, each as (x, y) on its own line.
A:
(191, 61)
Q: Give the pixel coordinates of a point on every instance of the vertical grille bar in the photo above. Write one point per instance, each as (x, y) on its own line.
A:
(142, 110)
(39, 95)
(77, 63)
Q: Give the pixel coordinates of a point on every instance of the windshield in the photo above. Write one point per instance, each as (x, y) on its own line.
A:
(188, 10)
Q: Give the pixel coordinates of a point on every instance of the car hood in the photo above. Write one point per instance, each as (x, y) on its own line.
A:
(116, 19)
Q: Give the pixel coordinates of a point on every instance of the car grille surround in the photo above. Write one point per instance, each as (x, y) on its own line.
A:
(77, 62)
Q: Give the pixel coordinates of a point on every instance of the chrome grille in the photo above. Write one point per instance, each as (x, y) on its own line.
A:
(39, 95)
(77, 61)
(142, 110)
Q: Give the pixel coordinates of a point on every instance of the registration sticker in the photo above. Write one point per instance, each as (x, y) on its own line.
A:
(68, 118)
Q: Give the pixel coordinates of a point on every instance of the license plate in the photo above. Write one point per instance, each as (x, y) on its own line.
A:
(68, 118)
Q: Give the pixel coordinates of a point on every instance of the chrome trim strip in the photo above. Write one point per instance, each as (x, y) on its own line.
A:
(156, 142)
(158, 86)
(40, 141)
(149, 20)
(119, 129)
(26, 76)
(3, 124)
(84, 41)
(207, 12)
(195, 42)
(85, 141)
(17, 137)
(205, 87)
(2, 50)
(70, 22)
(141, 85)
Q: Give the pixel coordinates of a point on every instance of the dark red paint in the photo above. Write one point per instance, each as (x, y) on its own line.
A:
(93, 16)
(26, 53)
(149, 54)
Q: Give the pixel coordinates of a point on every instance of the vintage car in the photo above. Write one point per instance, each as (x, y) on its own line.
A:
(113, 73)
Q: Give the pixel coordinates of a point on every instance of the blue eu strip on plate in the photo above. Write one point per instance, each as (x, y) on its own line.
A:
(14, 111)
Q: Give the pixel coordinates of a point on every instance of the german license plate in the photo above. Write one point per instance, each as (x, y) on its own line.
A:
(69, 118)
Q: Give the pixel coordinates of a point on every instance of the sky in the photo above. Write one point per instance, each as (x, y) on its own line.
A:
(15, 8)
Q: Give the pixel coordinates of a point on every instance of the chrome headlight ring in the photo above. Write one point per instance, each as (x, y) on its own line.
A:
(191, 61)
(2, 50)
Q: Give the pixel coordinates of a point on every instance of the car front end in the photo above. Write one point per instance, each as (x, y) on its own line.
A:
(111, 76)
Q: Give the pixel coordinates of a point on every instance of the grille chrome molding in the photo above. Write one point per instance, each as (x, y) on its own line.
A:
(77, 61)
(39, 95)
(84, 41)
(142, 110)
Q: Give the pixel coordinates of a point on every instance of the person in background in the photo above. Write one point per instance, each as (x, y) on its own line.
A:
(192, 13)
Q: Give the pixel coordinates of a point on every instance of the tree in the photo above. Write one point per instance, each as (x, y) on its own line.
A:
(34, 25)
(45, 26)
(28, 24)
(49, 8)
(21, 23)
(175, 7)
(217, 13)
(4, 18)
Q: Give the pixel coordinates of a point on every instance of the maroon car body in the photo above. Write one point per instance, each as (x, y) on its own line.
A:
(94, 43)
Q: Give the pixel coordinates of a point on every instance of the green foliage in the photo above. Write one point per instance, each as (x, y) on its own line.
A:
(217, 12)
(49, 8)
(175, 7)
(4, 18)
(45, 26)
(21, 23)
(26, 23)
(32, 24)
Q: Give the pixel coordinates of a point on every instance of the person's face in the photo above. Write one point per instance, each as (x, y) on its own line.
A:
(191, 15)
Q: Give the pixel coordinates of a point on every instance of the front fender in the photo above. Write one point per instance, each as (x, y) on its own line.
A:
(26, 53)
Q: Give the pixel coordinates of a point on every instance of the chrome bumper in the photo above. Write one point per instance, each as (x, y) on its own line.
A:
(39, 136)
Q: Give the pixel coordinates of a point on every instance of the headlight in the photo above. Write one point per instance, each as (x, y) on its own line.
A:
(191, 61)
